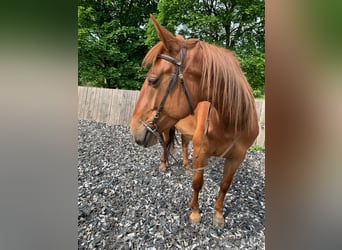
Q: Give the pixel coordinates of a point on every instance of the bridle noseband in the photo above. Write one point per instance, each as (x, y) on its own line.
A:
(178, 73)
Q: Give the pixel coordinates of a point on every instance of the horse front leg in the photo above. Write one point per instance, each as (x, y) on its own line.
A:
(230, 167)
(197, 183)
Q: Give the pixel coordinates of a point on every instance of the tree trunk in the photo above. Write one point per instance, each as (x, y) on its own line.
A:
(107, 83)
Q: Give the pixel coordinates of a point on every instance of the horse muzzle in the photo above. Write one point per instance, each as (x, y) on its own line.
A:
(144, 137)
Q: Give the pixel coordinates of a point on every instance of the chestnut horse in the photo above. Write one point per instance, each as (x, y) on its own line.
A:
(186, 78)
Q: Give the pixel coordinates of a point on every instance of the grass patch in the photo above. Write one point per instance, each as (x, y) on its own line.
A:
(257, 148)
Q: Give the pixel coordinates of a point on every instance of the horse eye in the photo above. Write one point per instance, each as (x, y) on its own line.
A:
(153, 81)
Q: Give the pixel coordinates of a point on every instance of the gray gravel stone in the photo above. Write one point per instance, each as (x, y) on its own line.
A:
(124, 202)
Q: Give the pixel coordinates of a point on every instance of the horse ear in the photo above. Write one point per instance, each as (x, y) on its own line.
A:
(171, 43)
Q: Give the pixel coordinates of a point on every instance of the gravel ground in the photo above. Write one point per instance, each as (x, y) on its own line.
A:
(124, 202)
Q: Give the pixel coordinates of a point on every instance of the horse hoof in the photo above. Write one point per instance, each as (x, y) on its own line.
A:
(195, 218)
(162, 167)
(218, 220)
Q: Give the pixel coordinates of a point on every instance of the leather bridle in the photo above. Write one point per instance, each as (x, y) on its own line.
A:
(178, 73)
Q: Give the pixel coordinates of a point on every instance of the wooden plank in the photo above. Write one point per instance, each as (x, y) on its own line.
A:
(125, 108)
(136, 95)
(258, 105)
(82, 96)
(91, 104)
(92, 109)
(261, 137)
(79, 90)
(128, 102)
(104, 105)
(87, 104)
(131, 98)
(95, 104)
(115, 107)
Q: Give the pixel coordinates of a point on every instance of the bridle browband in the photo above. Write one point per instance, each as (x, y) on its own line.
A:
(178, 73)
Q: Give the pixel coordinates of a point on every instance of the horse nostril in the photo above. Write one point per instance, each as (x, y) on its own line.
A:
(139, 142)
(141, 139)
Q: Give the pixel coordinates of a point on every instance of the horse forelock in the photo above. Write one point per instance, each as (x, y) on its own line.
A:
(157, 49)
(152, 54)
(225, 85)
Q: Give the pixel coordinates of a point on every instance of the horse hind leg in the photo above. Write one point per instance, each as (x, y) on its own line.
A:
(162, 166)
(163, 159)
(185, 143)
(230, 167)
(169, 139)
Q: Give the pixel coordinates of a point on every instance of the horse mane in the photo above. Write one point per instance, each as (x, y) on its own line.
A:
(226, 87)
(170, 145)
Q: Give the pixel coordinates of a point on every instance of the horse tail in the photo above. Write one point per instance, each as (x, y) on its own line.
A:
(170, 145)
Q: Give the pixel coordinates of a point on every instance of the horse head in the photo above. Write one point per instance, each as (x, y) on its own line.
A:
(169, 92)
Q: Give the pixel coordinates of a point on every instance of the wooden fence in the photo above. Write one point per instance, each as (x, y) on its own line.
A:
(115, 106)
